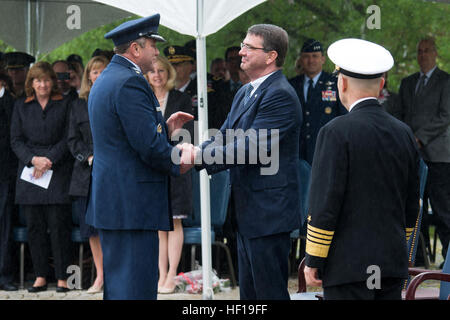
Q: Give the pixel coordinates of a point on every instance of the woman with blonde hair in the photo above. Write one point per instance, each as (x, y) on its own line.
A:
(39, 139)
(162, 80)
(81, 147)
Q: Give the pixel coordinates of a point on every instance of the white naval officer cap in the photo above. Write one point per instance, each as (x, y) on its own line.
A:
(359, 58)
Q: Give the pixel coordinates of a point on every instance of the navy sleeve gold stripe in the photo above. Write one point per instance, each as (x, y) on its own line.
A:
(318, 241)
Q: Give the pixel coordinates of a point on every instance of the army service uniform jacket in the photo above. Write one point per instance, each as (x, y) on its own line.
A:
(364, 197)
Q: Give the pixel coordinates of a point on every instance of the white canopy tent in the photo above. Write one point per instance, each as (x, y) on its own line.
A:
(39, 26)
(198, 18)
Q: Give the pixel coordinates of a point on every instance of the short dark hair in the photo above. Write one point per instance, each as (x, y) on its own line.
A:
(122, 48)
(274, 38)
(230, 49)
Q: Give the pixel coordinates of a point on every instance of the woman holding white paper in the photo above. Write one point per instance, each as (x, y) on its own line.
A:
(39, 139)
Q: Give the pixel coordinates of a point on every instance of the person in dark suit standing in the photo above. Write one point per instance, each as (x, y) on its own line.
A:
(318, 94)
(424, 105)
(364, 196)
(8, 170)
(129, 199)
(265, 194)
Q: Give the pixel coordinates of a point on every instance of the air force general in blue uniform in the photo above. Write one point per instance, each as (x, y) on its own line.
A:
(132, 160)
(267, 207)
(318, 94)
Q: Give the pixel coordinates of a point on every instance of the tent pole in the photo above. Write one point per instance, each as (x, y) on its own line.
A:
(208, 293)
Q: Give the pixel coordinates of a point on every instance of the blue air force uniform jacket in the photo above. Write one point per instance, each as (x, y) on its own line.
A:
(322, 106)
(364, 197)
(264, 204)
(132, 154)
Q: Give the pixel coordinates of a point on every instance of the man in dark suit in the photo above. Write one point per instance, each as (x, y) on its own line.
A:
(265, 194)
(8, 210)
(424, 105)
(132, 161)
(318, 94)
(364, 196)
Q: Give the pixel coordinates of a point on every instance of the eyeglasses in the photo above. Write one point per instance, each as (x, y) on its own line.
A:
(249, 47)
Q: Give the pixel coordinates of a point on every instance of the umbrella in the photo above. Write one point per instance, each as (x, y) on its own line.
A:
(39, 26)
(198, 18)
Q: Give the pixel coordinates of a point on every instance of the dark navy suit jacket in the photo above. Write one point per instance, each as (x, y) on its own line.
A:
(264, 204)
(132, 154)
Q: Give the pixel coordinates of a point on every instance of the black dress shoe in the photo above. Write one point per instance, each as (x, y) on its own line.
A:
(37, 289)
(8, 287)
(62, 289)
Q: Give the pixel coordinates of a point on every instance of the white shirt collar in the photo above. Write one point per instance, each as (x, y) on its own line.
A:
(358, 101)
(136, 67)
(2, 92)
(256, 83)
(183, 88)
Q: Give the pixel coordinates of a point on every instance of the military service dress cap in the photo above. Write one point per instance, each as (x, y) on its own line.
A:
(177, 54)
(18, 60)
(312, 45)
(134, 29)
(360, 59)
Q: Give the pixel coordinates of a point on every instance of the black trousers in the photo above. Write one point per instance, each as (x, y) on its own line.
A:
(438, 190)
(8, 213)
(390, 289)
(57, 219)
(264, 267)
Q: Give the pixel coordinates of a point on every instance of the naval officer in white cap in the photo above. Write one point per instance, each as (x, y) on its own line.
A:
(128, 201)
(364, 196)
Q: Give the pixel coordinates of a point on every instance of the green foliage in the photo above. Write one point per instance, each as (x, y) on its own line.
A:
(403, 24)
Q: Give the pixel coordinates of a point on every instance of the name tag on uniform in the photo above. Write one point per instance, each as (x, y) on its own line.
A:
(329, 95)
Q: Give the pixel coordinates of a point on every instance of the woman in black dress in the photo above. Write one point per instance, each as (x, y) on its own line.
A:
(39, 139)
(81, 147)
(171, 243)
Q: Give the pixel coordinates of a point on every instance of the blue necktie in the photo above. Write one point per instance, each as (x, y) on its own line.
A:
(248, 92)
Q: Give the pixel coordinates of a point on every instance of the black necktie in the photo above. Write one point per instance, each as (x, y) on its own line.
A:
(421, 84)
(248, 92)
(310, 89)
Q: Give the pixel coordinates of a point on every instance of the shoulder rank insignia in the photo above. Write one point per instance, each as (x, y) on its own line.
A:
(159, 128)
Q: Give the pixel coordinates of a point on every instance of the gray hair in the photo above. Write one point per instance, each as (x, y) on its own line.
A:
(274, 38)
(430, 40)
(122, 48)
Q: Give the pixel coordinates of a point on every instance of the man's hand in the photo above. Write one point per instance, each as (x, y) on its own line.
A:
(90, 159)
(311, 277)
(188, 152)
(419, 143)
(177, 120)
(41, 163)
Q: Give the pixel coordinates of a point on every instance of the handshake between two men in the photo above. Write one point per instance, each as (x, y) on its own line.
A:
(188, 151)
